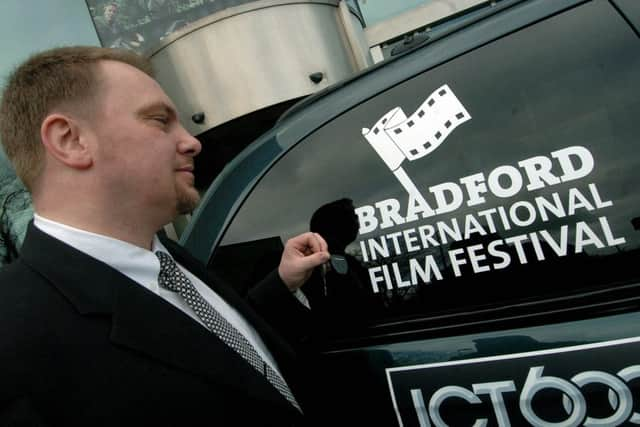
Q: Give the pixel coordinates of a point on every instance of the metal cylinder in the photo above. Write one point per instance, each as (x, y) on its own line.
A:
(252, 56)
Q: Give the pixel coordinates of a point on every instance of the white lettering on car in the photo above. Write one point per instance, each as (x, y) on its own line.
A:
(573, 401)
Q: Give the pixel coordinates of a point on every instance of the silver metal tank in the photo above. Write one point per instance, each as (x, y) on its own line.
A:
(248, 57)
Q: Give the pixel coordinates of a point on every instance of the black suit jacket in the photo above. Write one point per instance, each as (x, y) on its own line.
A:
(83, 345)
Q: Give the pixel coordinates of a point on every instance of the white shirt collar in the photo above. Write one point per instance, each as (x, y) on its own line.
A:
(143, 267)
(140, 265)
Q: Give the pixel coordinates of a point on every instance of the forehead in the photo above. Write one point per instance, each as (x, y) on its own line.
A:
(122, 83)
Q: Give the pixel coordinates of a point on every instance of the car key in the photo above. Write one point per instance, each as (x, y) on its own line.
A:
(339, 264)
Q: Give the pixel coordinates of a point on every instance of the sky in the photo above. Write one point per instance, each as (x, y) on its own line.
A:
(28, 26)
(375, 11)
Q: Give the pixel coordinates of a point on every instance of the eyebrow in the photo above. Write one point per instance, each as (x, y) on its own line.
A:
(157, 106)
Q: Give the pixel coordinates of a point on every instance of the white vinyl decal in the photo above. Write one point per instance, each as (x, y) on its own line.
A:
(547, 388)
(494, 203)
(396, 137)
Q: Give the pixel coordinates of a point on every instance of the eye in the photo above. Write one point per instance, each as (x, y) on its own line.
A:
(164, 120)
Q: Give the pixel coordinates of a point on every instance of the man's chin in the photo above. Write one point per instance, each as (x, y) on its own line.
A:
(187, 202)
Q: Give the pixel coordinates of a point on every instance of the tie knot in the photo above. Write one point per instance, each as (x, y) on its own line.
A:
(168, 271)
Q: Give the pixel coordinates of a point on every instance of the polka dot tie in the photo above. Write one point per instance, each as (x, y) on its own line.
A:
(173, 279)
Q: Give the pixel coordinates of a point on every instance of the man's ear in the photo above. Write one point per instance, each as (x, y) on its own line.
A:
(63, 139)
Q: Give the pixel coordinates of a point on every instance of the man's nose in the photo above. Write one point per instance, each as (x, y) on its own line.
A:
(189, 145)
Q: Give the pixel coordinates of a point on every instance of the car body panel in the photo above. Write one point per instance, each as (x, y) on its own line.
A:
(460, 361)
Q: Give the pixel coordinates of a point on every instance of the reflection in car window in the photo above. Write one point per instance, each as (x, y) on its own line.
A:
(520, 184)
(142, 25)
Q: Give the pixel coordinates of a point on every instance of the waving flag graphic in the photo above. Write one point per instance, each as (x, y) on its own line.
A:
(396, 137)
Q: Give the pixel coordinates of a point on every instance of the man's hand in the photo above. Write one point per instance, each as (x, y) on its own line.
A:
(301, 255)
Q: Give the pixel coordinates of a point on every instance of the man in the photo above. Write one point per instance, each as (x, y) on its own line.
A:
(106, 24)
(101, 323)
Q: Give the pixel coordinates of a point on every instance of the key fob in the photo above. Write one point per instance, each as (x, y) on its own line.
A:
(339, 264)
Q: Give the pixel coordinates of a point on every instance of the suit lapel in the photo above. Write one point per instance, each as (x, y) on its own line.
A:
(141, 320)
(163, 332)
(281, 349)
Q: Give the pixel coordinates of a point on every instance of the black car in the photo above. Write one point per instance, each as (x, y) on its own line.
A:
(481, 191)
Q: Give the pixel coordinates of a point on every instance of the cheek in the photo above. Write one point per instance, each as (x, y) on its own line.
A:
(139, 161)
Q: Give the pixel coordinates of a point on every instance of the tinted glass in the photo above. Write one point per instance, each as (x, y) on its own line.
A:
(141, 25)
(507, 174)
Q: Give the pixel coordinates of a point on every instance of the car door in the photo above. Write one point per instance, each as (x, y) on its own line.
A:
(481, 192)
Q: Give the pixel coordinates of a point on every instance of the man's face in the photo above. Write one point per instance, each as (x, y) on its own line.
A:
(110, 12)
(144, 157)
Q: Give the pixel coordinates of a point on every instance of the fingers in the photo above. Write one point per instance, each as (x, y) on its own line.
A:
(319, 251)
(301, 255)
(321, 243)
(309, 243)
(314, 260)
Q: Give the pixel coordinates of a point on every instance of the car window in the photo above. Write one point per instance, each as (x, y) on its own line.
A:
(504, 175)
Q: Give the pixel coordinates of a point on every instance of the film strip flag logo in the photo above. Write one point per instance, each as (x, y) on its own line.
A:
(396, 137)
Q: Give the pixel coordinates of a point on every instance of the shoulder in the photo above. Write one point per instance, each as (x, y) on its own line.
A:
(16, 272)
(32, 328)
(25, 295)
